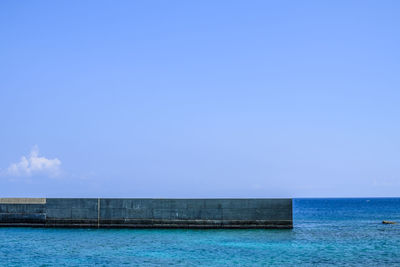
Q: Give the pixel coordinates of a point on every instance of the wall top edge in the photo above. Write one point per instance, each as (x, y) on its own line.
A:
(15, 200)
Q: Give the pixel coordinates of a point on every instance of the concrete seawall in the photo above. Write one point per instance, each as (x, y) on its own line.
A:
(146, 213)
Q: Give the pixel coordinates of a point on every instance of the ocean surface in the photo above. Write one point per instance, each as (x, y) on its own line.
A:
(327, 232)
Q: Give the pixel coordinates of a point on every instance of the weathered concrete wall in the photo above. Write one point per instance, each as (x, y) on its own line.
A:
(147, 213)
(22, 211)
(72, 212)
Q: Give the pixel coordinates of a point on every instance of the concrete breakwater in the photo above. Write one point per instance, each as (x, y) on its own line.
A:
(146, 213)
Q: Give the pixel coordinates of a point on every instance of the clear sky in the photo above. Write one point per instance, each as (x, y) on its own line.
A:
(199, 98)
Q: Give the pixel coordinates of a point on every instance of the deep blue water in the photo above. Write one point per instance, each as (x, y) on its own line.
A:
(326, 232)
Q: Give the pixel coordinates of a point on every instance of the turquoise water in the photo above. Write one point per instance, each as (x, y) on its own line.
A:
(326, 232)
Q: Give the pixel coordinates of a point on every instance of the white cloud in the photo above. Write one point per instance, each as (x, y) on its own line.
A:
(33, 164)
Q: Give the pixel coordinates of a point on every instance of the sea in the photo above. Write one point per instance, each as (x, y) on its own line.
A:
(327, 232)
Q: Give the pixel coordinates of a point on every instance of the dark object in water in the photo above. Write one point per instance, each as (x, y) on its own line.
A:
(388, 222)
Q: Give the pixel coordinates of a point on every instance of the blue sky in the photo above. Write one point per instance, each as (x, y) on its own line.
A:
(199, 98)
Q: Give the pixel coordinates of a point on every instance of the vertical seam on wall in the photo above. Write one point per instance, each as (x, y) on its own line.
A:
(98, 212)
